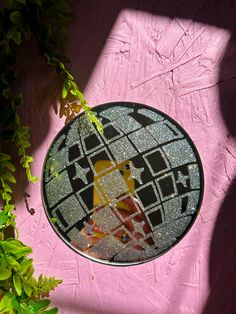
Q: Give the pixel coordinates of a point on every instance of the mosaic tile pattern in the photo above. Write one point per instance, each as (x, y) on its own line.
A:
(125, 196)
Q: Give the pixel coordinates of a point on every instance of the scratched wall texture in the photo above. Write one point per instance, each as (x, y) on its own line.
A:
(179, 57)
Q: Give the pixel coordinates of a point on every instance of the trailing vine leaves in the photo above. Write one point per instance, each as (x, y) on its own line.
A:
(43, 21)
(22, 292)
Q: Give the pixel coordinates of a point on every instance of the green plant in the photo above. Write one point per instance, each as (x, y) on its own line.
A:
(43, 21)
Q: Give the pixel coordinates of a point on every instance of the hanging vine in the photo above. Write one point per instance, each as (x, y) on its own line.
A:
(44, 21)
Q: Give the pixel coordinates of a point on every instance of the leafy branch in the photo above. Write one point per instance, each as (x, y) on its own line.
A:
(43, 21)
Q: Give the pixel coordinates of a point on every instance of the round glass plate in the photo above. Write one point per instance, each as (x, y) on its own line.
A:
(127, 196)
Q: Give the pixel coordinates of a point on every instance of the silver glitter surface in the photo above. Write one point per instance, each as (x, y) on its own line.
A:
(127, 124)
(138, 226)
(152, 210)
(84, 126)
(166, 236)
(58, 188)
(151, 115)
(88, 228)
(115, 112)
(76, 237)
(106, 220)
(122, 150)
(194, 176)
(172, 208)
(164, 131)
(179, 153)
(95, 155)
(171, 186)
(81, 173)
(182, 179)
(96, 138)
(131, 254)
(56, 164)
(193, 200)
(91, 189)
(143, 140)
(113, 184)
(113, 138)
(132, 201)
(147, 191)
(73, 136)
(56, 145)
(152, 167)
(107, 247)
(136, 173)
(71, 210)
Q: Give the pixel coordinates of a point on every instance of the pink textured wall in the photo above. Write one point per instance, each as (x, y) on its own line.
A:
(179, 57)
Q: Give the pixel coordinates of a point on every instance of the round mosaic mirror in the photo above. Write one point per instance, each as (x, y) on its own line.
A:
(127, 196)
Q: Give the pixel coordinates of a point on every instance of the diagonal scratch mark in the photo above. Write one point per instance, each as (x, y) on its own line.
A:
(165, 71)
(173, 66)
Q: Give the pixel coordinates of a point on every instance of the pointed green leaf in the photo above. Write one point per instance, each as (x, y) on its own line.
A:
(3, 218)
(17, 284)
(13, 263)
(27, 288)
(66, 88)
(36, 306)
(15, 36)
(6, 93)
(4, 302)
(25, 264)
(4, 157)
(8, 176)
(16, 17)
(51, 311)
(5, 273)
(9, 165)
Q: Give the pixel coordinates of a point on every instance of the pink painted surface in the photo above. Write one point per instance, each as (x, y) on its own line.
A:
(179, 57)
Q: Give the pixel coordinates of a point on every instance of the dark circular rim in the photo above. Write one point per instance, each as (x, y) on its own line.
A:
(194, 217)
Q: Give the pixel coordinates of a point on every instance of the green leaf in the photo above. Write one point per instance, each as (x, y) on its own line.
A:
(6, 93)
(53, 220)
(15, 36)
(9, 207)
(13, 263)
(6, 300)
(25, 264)
(9, 165)
(34, 179)
(27, 288)
(29, 159)
(7, 188)
(17, 284)
(16, 17)
(5, 273)
(8, 176)
(69, 75)
(54, 310)
(66, 88)
(36, 306)
(3, 218)
(4, 157)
